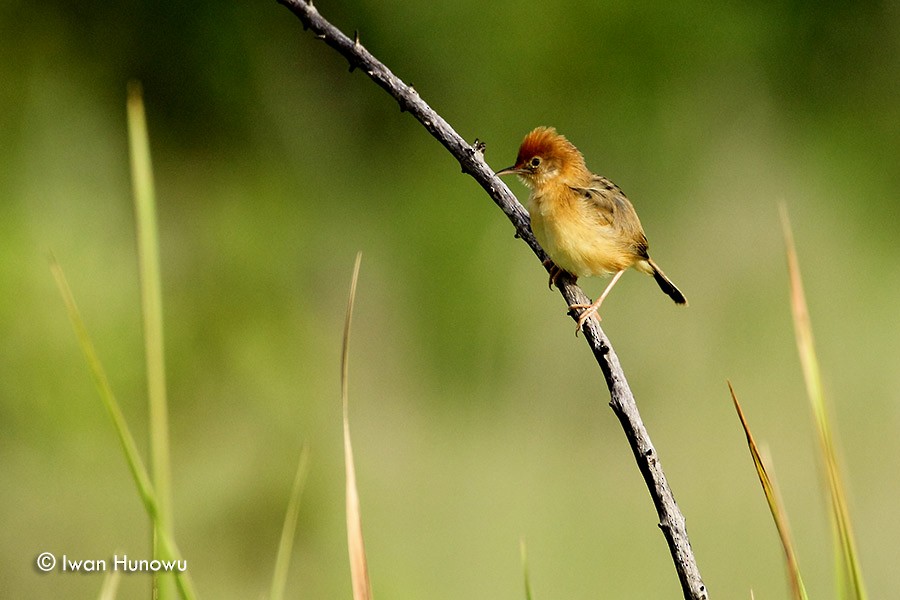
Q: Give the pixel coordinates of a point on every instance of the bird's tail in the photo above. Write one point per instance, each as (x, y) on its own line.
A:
(665, 284)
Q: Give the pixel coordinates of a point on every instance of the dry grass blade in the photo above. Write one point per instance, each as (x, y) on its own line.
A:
(671, 521)
(847, 555)
(778, 513)
(359, 572)
(289, 528)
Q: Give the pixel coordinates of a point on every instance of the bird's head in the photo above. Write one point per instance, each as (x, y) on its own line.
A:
(546, 157)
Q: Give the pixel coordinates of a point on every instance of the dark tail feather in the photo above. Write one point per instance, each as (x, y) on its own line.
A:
(666, 285)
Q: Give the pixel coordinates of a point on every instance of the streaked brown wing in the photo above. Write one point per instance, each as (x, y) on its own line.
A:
(614, 209)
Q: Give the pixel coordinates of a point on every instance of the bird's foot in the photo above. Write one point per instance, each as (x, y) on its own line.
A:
(588, 311)
(557, 272)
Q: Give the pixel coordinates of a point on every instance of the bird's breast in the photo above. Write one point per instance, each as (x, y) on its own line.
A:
(575, 239)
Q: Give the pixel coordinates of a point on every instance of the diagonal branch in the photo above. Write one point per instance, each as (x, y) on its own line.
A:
(471, 159)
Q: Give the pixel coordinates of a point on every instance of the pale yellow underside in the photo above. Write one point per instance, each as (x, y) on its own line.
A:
(579, 242)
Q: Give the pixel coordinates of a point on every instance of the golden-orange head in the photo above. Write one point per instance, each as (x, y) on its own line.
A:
(546, 156)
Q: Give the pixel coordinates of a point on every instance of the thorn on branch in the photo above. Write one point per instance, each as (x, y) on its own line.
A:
(621, 397)
(356, 38)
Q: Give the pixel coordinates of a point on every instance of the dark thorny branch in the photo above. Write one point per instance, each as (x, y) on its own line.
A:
(471, 159)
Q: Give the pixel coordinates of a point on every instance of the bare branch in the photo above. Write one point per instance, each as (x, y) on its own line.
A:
(471, 159)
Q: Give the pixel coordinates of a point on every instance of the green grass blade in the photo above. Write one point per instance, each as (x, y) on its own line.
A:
(778, 514)
(110, 586)
(289, 528)
(523, 552)
(359, 571)
(151, 308)
(847, 557)
(132, 456)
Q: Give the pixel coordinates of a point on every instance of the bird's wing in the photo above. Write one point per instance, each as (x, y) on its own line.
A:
(607, 198)
(614, 209)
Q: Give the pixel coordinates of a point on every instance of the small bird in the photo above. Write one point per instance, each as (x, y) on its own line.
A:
(583, 221)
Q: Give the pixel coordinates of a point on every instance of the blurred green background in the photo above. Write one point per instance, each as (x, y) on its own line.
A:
(477, 417)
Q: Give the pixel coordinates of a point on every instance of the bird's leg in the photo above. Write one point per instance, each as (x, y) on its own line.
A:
(556, 272)
(591, 309)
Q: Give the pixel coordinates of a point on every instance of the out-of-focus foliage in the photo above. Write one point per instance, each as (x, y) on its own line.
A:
(477, 418)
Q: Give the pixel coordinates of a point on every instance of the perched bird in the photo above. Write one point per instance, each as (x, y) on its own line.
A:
(583, 221)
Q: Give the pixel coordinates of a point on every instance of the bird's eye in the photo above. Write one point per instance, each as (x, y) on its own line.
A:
(535, 162)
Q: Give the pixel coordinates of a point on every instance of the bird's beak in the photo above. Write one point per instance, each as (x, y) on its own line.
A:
(513, 170)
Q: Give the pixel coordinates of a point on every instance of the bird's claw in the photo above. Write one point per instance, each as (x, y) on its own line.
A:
(588, 311)
(556, 272)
